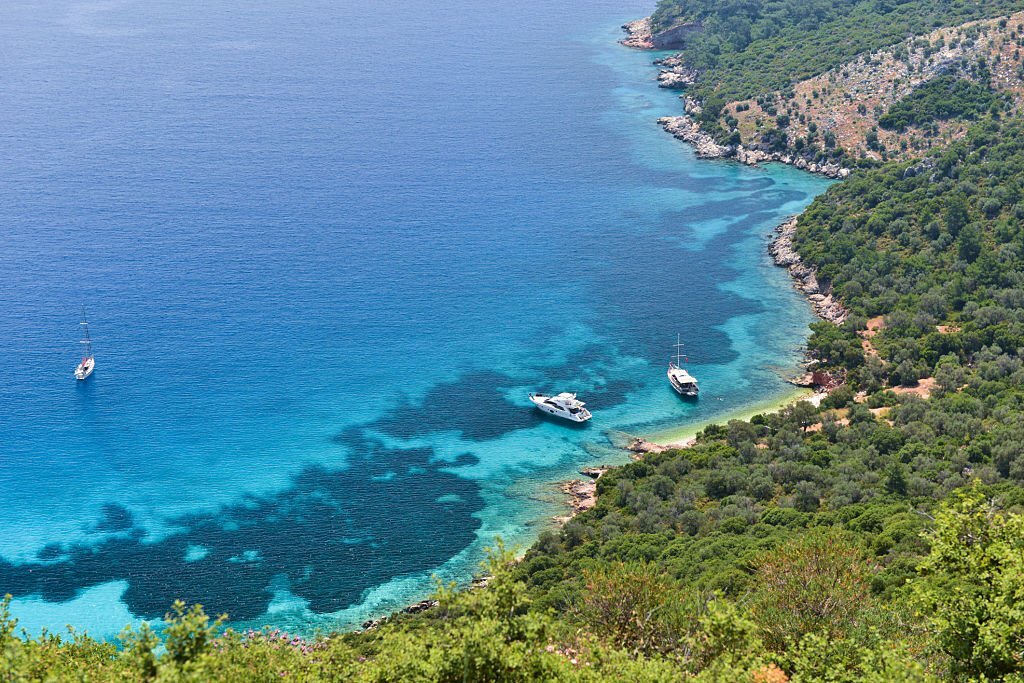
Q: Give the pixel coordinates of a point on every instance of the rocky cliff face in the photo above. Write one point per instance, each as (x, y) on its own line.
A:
(639, 35)
(675, 37)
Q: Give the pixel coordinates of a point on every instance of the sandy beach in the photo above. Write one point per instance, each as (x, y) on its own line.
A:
(682, 436)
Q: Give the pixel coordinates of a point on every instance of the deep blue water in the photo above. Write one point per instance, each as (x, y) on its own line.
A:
(327, 248)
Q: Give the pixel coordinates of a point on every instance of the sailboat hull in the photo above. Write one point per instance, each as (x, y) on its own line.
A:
(85, 369)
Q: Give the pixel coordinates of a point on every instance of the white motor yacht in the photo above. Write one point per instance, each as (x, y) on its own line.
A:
(564, 405)
(683, 382)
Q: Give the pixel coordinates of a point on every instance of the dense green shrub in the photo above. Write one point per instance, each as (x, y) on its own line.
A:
(944, 97)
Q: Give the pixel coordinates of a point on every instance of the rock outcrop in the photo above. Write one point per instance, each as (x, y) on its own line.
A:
(674, 73)
(415, 608)
(594, 472)
(675, 80)
(676, 36)
(819, 380)
(638, 34)
(804, 276)
(686, 129)
(752, 157)
(640, 445)
(582, 495)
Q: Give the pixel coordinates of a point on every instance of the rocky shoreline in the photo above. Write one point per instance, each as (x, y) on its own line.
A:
(641, 36)
(638, 34)
(686, 129)
(674, 73)
(805, 277)
(415, 608)
(582, 492)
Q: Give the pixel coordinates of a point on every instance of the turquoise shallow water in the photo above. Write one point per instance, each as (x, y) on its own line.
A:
(327, 250)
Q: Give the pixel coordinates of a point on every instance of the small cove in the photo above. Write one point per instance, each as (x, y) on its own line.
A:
(323, 274)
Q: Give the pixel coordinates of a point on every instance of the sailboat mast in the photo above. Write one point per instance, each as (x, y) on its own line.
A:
(86, 340)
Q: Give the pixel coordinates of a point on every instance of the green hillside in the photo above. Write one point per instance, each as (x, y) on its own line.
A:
(749, 48)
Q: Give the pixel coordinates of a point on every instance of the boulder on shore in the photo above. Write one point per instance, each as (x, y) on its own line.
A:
(640, 445)
(594, 472)
(676, 80)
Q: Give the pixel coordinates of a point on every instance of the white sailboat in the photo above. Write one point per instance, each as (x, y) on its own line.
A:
(564, 405)
(683, 382)
(88, 363)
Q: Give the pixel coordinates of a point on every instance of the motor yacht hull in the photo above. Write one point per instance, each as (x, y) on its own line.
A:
(546, 404)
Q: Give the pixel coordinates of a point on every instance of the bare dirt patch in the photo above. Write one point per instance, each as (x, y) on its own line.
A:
(923, 389)
(874, 327)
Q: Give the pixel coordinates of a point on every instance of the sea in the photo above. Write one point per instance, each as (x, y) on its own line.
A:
(326, 249)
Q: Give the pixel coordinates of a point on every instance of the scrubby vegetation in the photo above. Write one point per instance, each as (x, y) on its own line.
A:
(813, 610)
(751, 48)
(929, 243)
(942, 98)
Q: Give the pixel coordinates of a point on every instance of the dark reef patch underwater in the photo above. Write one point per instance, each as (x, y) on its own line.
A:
(331, 535)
